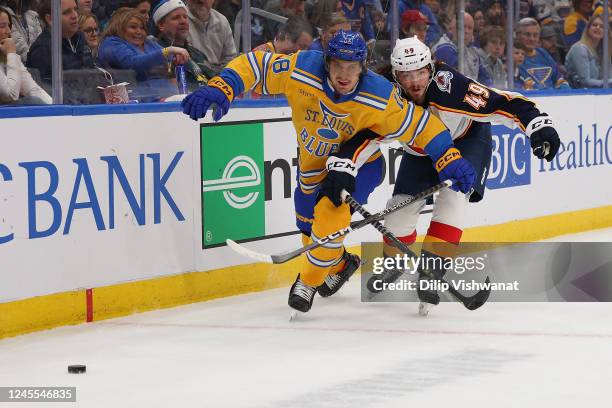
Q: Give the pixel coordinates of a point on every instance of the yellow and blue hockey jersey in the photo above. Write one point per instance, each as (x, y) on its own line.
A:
(325, 120)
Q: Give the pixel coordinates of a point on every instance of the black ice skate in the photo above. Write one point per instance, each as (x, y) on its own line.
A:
(301, 296)
(427, 295)
(333, 283)
(428, 298)
(426, 291)
(387, 276)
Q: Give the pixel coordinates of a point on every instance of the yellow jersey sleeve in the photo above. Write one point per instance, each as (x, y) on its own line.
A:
(264, 72)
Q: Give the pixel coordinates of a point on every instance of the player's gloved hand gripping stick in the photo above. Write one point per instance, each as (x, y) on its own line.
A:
(452, 166)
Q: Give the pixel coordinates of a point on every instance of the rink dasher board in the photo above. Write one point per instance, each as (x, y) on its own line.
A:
(56, 198)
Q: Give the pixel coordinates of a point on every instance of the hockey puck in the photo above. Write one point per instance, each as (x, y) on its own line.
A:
(77, 369)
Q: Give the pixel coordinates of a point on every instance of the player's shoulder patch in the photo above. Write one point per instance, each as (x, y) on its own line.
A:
(443, 80)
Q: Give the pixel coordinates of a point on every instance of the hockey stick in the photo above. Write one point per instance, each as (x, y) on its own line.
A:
(470, 302)
(287, 256)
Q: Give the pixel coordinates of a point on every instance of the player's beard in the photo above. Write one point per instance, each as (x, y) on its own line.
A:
(416, 99)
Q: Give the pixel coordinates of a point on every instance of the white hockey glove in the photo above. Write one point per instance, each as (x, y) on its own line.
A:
(341, 175)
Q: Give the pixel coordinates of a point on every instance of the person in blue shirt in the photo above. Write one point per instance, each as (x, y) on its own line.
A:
(434, 31)
(330, 27)
(446, 50)
(124, 45)
(358, 10)
(574, 24)
(585, 59)
(539, 66)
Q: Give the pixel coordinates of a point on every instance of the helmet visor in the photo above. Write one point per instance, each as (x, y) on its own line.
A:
(413, 76)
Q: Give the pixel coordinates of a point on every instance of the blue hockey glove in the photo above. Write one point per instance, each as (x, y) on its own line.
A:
(544, 138)
(197, 103)
(340, 176)
(451, 166)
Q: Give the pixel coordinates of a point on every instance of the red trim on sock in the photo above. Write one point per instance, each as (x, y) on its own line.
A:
(408, 239)
(445, 232)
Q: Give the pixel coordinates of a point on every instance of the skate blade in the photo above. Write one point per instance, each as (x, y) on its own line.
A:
(424, 308)
(293, 314)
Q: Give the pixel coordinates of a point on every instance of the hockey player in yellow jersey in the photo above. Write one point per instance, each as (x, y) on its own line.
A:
(332, 96)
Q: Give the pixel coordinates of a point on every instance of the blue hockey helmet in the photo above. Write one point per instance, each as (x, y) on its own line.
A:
(347, 46)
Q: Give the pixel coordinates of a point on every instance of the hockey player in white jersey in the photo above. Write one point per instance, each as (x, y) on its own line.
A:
(466, 107)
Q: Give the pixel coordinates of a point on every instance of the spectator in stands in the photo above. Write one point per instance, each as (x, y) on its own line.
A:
(230, 9)
(479, 25)
(124, 45)
(16, 83)
(493, 45)
(585, 59)
(170, 17)
(296, 34)
(518, 57)
(434, 5)
(85, 6)
(144, 7)
(412, 23)
(284, 8)
(550, 40)
(374, 5)
(446, 50)
(562, 9)
(104, 9)
(380, 25)
(539, 66)
(526, 9)
(323, 10)
(27, 26)
(357, 10)
(598, 9)
(576, 22)
(75, 52)
(494, 13)
(542, 11)
(330, 26)
(88, 24)
(434, 31)
(210, 32)
(259, 28)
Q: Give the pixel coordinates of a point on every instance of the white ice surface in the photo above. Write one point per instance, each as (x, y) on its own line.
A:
(243, 352)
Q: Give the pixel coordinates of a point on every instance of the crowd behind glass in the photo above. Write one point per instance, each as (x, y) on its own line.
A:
(115, 51)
